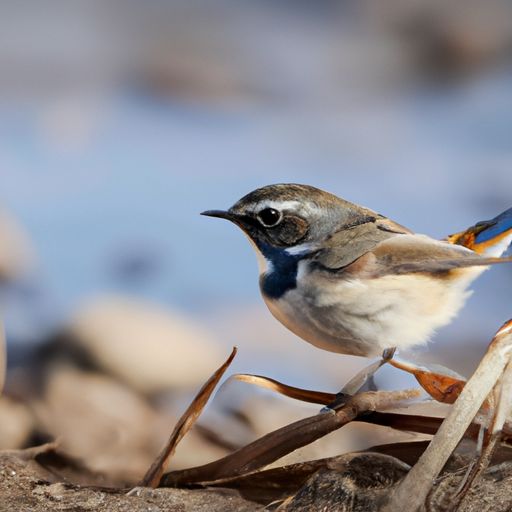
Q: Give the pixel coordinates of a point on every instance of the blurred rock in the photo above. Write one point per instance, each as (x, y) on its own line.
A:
(16, 254)
(112, 429)
(99, 421)
(149, 348)
(349, 484)
(16, 424)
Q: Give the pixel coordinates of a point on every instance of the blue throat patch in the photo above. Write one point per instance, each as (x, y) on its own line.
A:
(283, 275)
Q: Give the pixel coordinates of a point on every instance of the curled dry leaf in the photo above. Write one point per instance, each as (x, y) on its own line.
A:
(305, 395)
(440, 386)
(185, 423)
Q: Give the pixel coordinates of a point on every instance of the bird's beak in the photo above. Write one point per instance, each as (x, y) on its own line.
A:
(221, 214)
(240, 220)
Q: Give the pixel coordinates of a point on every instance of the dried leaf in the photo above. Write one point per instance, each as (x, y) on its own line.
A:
(404, 422)
(185, 423)
(305, 395)
(275, 445)
(273, 484)
(441, 387)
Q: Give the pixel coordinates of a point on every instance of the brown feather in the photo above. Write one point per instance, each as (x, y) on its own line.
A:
(419, 254)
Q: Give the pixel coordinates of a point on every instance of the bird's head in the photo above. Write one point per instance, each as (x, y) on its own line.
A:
(291, 218)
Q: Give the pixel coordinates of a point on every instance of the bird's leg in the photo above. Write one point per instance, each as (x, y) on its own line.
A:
(363, 378)
(387, 354)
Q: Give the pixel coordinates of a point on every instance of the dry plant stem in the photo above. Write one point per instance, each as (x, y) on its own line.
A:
(474, 471)
(185, 423)
(504, 402)
(414, 488)
(285, 440)
(485, 445)
(501, 412)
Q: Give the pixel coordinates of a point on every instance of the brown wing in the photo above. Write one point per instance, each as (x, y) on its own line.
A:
(418, 254)
(385, 224)
(350, 243)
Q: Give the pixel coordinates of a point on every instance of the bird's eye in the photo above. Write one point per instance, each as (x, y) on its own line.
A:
(269, 217)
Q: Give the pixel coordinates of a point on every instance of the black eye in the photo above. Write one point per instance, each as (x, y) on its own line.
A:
(269, 217)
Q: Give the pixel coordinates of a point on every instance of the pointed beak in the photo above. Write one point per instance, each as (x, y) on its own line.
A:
(240, 220)
(221, 214)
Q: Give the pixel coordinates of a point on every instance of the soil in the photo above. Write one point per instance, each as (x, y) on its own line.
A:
(26, 487)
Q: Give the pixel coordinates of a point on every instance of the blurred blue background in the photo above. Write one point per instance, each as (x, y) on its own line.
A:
(121, 121)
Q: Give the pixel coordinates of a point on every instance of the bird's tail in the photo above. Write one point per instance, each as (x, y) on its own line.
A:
(490, 238)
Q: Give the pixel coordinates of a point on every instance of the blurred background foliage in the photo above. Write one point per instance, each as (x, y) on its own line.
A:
(120, 121)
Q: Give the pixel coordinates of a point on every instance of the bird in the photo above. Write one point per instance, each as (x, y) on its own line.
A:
(349, 280)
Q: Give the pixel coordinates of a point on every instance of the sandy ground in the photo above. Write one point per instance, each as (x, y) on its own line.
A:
(36, 480)
(26, 487)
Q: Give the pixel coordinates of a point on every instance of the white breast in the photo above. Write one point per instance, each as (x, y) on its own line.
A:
(366, 316)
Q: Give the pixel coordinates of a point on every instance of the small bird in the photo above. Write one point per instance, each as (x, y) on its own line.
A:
(349, 280)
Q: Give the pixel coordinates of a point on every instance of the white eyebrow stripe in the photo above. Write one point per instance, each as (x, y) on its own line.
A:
(283, 205)
(277, 205)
